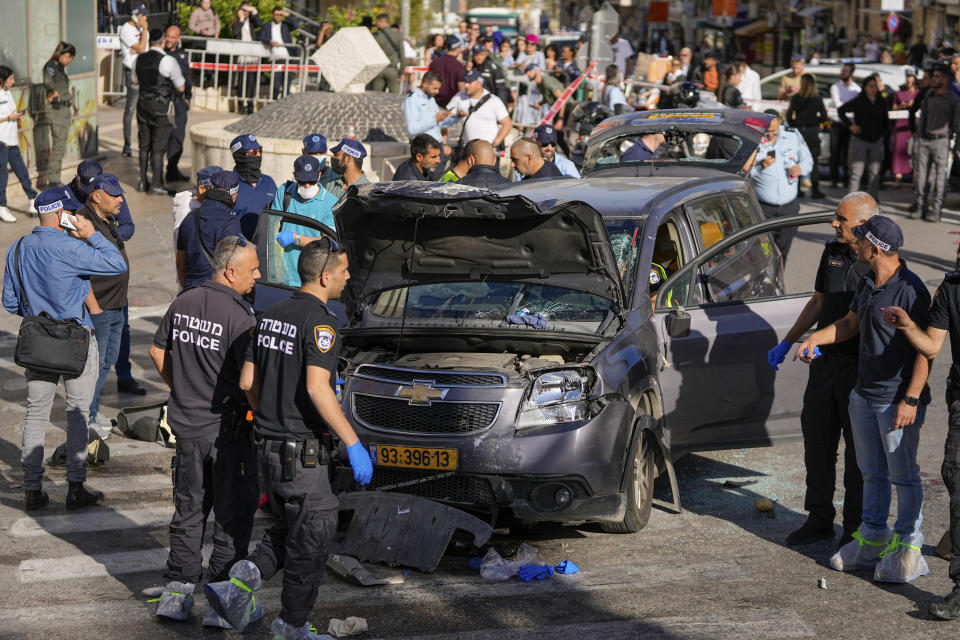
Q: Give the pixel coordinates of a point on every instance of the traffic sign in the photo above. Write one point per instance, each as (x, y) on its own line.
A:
(892, 22)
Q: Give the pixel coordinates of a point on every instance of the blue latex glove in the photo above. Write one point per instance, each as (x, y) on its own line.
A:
(776, 355)
(816, 353)
(475, 563)
(285, 238)
(534, 572)
(360, 461)
(567, 566)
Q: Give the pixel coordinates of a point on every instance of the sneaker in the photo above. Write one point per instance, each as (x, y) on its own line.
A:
(948, 608)
(283, 631)
(127, 151)
(6, 216)
(812, 530)
(860, 554)
(102, 426)
(33, 209)
(79, 496)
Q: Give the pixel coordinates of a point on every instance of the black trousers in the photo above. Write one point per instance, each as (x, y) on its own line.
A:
(783, 238)
(153, 130)
(824, 419)
(177, 134)
(950, 470)
(219, 473)
(839, 143)
(811, 135)
(302, 534)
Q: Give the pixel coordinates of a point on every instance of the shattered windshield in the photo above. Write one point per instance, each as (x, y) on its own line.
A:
(684, 148)
(504, 303)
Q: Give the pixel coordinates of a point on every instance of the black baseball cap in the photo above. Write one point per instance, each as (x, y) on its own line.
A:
(881, 231)
(451, 43)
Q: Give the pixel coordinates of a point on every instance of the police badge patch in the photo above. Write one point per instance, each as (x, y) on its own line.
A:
(325, 336)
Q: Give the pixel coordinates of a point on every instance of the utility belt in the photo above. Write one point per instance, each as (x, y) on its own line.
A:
(309, 451)
(934, 136)
(59, 103)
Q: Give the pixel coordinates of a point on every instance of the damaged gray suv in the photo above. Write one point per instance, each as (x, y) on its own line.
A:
(551, 348)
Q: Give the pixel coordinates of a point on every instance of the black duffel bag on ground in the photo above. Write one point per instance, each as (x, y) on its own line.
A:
(47, 345)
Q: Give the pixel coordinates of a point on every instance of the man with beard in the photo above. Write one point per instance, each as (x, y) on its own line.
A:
(256, 190)
(347, 161)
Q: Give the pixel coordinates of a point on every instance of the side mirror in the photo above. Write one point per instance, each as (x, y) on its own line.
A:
(678, 323)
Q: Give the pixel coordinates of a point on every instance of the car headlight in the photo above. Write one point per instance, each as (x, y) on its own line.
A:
(556, 397)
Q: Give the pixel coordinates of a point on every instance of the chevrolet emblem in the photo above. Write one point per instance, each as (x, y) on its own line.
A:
(421, 393)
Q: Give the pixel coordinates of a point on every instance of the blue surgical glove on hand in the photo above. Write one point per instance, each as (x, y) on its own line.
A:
(285, 238)
(776, 355)
(360, 461)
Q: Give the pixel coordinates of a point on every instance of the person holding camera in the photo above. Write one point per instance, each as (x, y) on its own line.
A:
(47, 272)
(56, 111)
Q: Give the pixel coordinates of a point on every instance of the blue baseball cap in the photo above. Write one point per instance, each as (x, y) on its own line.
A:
(245, 141)
(472, 76)
(87, 173)
(306, 169)
(545, 134)
(139, 9)
(315, 143)
(881, 231)
(351, 147)
(478, 48)
(229, 181)
(56, 198)
(109, 183)
(206, 174)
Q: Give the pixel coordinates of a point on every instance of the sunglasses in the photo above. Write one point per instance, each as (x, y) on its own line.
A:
(332, 247)
(241, 242)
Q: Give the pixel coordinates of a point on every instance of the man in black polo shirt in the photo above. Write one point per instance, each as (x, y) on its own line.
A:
(424, 160)
(887, 407)
(944, 318)
(198, 350)
(290, 370)
(526, 156)
(109, 293)
(832, 377)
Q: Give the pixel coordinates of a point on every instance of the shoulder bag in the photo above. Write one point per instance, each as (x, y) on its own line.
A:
(45, 344)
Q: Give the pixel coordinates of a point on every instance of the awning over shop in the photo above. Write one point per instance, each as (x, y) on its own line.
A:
(754, 28)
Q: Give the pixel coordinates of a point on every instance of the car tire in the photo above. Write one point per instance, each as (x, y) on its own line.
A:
(639, 489)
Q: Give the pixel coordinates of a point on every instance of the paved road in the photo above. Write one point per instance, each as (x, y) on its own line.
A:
(719, 570)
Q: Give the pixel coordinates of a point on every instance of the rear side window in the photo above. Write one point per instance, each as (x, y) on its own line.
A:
(712, 220)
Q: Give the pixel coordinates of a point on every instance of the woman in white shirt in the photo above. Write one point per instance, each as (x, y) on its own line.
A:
(9, 145)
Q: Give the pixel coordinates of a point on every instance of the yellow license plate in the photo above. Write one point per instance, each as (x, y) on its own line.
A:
(387, 455)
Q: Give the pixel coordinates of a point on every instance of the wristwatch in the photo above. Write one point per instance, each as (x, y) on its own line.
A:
(911, 401)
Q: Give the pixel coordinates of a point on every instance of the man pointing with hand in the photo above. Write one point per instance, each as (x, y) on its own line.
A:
(887, 406)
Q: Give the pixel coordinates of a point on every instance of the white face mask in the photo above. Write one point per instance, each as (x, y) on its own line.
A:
(306, 193)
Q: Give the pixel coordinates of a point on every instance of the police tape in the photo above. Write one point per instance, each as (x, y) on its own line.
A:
(558, 104)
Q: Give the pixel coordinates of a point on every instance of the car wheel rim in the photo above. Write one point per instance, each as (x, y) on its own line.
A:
(640, 486)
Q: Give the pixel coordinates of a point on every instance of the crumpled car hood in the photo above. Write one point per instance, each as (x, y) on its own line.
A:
(407, 233)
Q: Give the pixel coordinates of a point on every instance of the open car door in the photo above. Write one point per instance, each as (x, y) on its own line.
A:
(717, 317)
(278, 265)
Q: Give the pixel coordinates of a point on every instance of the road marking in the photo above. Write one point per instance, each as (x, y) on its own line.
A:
(89, 521)
(745, 625)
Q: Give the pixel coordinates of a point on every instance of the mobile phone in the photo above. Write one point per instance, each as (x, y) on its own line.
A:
(772, 153)
(67, 221)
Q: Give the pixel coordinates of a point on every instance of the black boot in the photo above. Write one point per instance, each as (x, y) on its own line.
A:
(948, 608)
(79, 496)
(35, 499)
(812, 530)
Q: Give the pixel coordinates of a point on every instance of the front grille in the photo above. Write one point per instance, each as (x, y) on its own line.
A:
(407, 376)
(445, 488)
(397, 414)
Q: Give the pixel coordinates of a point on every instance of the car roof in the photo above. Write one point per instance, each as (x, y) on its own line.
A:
(895, 72)
(623, 197)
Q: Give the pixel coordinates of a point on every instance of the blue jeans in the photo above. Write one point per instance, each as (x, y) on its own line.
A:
(11, 156)
(123, 356)
(887, 456)
(108, 326)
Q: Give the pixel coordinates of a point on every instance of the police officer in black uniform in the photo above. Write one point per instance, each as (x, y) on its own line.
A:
(181, 104)
(198, 349)
(291, 372)
(832, 377)
(159, 77)
(944, 318)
